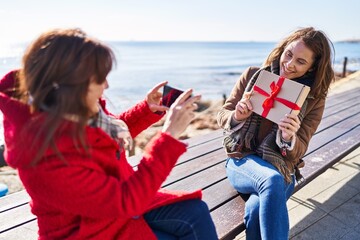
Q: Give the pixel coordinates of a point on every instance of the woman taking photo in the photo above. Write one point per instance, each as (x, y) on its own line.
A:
(70, 151)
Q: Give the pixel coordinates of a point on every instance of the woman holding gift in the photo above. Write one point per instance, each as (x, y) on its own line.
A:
(264, 157)
(70, 151)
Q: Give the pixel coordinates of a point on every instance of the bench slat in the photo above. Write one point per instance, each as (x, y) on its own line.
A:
(218, 194)
(339, 116)
(340, 98)
(27, 231)
(15, 216)
(194, 166)
(196, 140)
(13, 200)
(319, 161)
(229, 218)
(194, 149)
(323, 138)
(202, 179)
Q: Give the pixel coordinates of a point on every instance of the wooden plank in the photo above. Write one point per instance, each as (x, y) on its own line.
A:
(219, 193)
(229, 219)
(194, 149)
(200, 139)
(331, 133)
(339, 117)
(340, 101)
(14, 211)
(14, 200)
(14, 217)
(339, 98)
(200, 150)
(323, 158)
(201, 180)
(194, 166)
(324, 138)
(28, 231)
(329, 112)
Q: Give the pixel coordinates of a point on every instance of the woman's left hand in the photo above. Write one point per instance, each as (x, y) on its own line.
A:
(153, 98)
(289, 126)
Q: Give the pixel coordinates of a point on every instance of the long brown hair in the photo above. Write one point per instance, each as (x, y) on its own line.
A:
(54, 79)
(323, 50)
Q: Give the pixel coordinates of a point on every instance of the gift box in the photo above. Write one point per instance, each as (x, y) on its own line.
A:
(274, 96)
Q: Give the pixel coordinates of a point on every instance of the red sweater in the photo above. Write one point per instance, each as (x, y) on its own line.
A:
(97, 196)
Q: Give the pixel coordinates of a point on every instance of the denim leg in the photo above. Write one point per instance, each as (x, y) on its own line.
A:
(266, 215)
(183, 220)
(251, 218)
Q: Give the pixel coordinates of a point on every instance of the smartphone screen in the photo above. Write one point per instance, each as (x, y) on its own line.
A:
(170, 94)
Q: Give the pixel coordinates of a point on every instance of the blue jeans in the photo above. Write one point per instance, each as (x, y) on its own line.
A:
(266, 216)
(188, 219)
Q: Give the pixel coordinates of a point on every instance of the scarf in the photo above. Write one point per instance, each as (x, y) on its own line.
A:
(245, 140)
(115, 128)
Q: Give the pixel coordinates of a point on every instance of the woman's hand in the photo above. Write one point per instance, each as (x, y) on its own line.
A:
(243, 108)
(181, 113)
(289, 126)
(153, 98)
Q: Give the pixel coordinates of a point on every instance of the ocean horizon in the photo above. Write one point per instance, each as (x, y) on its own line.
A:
(210, 68)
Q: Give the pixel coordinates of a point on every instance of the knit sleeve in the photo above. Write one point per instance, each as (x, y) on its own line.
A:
(7, 82)
(137, 118)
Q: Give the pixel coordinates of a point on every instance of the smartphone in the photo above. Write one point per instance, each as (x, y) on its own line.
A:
(170, 94)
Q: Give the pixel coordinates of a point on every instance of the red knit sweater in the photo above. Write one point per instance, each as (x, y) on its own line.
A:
(90, 197)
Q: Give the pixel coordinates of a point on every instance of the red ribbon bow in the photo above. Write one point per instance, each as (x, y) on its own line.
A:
(272, 97)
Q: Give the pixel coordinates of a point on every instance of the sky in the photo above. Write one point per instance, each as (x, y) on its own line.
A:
(179, 20)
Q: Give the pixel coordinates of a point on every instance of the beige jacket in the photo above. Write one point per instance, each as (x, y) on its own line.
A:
(311, 121)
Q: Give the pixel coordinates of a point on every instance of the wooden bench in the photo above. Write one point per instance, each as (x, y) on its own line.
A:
(203, 166)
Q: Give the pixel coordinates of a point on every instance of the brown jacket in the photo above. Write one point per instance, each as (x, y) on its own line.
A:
(311, 121)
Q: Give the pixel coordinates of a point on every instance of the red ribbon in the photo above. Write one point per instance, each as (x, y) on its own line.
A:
(272, 97)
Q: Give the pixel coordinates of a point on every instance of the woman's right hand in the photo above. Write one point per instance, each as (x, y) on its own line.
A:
(243, 108)
(180, 114)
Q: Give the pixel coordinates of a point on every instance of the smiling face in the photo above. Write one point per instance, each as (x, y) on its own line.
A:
(296, 60)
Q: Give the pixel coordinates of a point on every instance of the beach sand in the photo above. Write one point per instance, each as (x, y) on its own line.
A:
(204, 122)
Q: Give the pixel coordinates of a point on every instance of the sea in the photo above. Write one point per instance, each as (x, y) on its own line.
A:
(209, 68)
